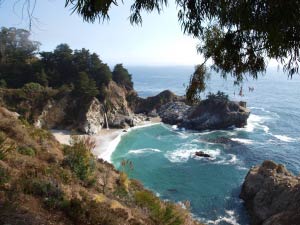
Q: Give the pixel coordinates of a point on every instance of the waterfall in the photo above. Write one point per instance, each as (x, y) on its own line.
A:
(107, 127)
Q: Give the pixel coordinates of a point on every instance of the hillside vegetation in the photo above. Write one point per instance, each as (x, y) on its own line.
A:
(43, 182)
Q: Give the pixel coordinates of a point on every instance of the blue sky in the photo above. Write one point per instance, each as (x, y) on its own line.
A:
(159, 41)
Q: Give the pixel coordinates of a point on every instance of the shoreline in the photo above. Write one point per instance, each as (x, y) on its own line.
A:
(106, 140)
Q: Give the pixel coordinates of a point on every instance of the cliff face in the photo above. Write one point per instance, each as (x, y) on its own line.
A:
(119, 113)
(42, 182)
(93, 120)
(151, 104)
(54, 109)
(272, 195)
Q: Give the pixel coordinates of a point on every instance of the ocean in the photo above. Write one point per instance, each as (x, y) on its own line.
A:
(163, 156)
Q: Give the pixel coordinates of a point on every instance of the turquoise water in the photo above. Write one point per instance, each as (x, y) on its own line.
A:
(163, 156)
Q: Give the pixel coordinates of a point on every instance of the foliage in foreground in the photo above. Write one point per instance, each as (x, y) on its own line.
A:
(79, 157)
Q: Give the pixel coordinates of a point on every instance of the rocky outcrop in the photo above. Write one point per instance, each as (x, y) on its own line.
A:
(173, 113)
(119, 114)
(7, 113)
(70, 113)
(272, 195)
(150, 105)
(202, 154)
(209, 114)
(53, 113)
(93, 118)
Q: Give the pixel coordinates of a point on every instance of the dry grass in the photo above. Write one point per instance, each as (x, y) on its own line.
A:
(63, 186)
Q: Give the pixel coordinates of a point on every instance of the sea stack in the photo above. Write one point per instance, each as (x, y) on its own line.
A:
(209, 114)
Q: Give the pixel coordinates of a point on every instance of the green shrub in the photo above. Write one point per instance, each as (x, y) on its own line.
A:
(50, 191)
(161, 213)
(148, 200)
(220, 96)
(74, 210)
(79, 157)
(3, 83)
(32, 88)
(120, 192)
(92, 212)
(4, 176)
(5, 146)
(25, 150)
(65, 175)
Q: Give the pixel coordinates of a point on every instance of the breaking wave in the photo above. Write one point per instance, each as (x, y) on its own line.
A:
(143, 150)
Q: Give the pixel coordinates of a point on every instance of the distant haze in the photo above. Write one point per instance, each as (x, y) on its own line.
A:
(159, 41)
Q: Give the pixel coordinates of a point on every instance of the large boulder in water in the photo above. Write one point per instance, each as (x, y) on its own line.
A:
(212, 114)
(209, 114)
(272, 195)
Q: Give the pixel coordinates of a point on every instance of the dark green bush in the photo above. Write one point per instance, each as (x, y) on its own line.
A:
(50, 191)
(161, 213)
(25, 150)
(220, 96)
(79, 157)
(5, 146)
(91, 212)
(32, 88)
(4, 176)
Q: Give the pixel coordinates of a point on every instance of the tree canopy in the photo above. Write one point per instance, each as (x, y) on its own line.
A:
(79, 69)
(238, 36)
(121, 76)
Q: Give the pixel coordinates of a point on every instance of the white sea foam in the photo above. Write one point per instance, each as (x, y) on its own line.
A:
(183, 135)
(255, 122)
(233, 159)
(143, 150)
(178, 156)
(243, 140)
(106, 155)
(174, 127)
(242, 168)
(183, 155)
(285, 138)
(272, 114)
(112, 145)
(230, 218)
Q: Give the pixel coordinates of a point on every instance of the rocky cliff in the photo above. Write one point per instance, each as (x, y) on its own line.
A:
(208, 114)
(119, 113)
(272, 195)
(150, 105)
(51, 108)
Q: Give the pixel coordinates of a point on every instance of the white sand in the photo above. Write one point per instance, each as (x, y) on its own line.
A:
(62, 136)
(106, 140)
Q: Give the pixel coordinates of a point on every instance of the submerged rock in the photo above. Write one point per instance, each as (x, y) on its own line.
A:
(272, 195)
(209, 114)
(202, 154)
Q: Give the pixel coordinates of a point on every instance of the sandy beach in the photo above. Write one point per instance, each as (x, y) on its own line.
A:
(106, 140)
